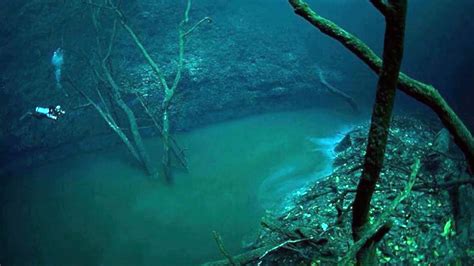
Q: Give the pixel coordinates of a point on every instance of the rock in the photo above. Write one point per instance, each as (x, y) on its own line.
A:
(465, 217)
(324, 209)
(442, 141)
(344, 144)
(440, 148)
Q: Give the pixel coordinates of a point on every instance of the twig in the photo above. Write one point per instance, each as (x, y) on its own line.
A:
(290, 241)
(381, 226)
(337, 91)
(98, 6)
(445, 185)
(107, 118)
(277, 227)
(220, 244)
(208, 19)
(85, 105)
(241, 259)
(27, 114)
(177, 151)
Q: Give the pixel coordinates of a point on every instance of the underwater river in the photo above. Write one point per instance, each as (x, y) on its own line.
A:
(99, 209)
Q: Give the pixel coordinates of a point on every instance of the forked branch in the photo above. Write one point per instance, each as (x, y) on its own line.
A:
(422, 92)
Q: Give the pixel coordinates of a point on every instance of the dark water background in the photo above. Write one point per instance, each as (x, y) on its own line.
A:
(68, 192)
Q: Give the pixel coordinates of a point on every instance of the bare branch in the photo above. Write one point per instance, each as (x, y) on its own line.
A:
(380, 226)
(142, 48)
(290, 241)
(337, 91)
(220, 244)
(97, 5)
(176, 149)
(381, 6)
(111, 41)
(208, 19)
(422, 92)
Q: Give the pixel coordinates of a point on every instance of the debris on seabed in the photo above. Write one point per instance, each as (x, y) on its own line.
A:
(316, 229)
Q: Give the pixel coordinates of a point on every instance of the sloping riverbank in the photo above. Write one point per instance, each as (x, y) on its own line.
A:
(433, 225)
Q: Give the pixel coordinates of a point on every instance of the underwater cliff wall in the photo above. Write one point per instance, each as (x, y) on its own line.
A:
(256, 56)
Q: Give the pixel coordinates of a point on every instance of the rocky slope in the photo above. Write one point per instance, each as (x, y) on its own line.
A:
(433, 225)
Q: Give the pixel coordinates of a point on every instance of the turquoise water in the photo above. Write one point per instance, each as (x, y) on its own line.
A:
(99, 209)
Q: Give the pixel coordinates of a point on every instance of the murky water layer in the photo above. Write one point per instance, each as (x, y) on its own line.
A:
(100, 209)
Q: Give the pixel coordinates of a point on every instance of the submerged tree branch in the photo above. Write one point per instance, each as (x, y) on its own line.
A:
(168, 88)
(108, 119)
(224, 252)
(422, 92)
(346, 97)
(281, 245)
(107, 77)
(241, 259)
(382, 224)
(379, 126)
(176, 149)
(381, 6)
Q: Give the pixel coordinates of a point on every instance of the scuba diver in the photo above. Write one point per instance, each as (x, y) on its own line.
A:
(51, 112)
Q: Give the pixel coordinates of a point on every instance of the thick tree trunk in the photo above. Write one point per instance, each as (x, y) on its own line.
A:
(395, 14)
